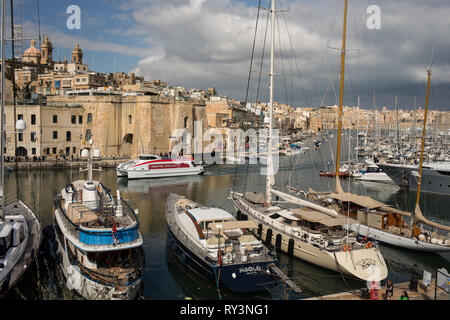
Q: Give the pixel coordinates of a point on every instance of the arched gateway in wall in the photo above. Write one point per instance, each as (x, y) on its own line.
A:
(127, 143)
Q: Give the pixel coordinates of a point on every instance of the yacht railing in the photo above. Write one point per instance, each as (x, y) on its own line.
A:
(105, 215)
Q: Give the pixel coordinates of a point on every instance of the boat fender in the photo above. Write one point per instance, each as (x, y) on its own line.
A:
(421, 237)
(368, 245)
(434, 240)
(345, 247)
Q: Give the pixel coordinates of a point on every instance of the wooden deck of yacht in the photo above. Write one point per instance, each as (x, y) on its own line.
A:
(420, 294)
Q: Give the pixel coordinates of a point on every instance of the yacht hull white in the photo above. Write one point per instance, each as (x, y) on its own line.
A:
(396, 240)
(20, 239)
(152, 166)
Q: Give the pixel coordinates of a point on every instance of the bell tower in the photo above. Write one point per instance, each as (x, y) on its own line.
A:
(46, 52)
(77, 55)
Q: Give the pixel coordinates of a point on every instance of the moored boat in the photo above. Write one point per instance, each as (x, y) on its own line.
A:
(217, 246)
(313, 234)
(153, 166)
(98, 243)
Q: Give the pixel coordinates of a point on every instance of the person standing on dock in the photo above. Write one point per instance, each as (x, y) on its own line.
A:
(389, 289)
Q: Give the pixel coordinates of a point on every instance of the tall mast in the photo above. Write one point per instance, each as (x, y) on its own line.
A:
(2, 116)
(423, 140)
(398, 134)
(269, 144)
(341, 97)
(357, 132)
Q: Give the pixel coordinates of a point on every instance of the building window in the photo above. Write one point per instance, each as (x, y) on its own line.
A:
(88, 135)
(33, 136)
(68, 136)
(55, 134)
(67, 151)
(185, 121)
(33, 150)
(20, 136)
(89, 118)
(74, 119)
(129, 119)
(54, 150)
(74, 150)
(80, 119)
(33, 119)
(20, 117)
(55, 118)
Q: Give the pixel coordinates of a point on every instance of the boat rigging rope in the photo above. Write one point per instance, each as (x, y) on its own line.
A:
(248, 87)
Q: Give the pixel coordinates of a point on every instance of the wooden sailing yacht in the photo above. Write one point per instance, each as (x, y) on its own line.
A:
(303, 229)
(20, 230)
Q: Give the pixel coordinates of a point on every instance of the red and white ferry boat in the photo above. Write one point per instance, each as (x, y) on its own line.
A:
(153, 166)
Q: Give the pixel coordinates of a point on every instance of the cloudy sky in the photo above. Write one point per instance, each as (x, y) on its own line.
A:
(208, 43)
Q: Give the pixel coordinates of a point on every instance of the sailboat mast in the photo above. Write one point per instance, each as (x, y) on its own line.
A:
(341, 94)
(341, 97)
(2, 116)
(423, 138)
(269, 144)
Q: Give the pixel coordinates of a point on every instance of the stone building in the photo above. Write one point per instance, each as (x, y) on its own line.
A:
(50, 130)
(226, 113)
(131, 125)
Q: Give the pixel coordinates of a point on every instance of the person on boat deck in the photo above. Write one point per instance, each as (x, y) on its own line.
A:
(389, 289)
(404, 296)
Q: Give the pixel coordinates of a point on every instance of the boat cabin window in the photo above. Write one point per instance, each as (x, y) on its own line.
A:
(274, 216)
(121, 258)
(5, 243)
(373, 169)
(148, 158)
(292, 223)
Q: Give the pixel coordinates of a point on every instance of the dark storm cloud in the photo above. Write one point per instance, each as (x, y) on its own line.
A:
(208, 43)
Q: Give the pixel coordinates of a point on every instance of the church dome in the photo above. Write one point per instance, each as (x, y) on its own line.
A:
(32, 50)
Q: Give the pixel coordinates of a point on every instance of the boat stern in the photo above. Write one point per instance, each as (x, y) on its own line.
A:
(366, 264)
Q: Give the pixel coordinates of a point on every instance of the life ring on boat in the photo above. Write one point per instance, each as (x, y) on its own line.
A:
(368, 245)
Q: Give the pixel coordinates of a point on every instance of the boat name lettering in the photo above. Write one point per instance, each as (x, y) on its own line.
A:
(366, 263)
(250, 269)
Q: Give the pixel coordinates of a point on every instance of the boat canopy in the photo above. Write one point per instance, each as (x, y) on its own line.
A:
(322, 218)
(362, 201)
(209, 214)
(366, 202)
(230, 225)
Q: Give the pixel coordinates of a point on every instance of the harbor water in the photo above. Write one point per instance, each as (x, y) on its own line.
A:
(166, 278)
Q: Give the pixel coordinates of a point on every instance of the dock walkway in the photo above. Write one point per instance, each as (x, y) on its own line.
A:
(421, 293)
